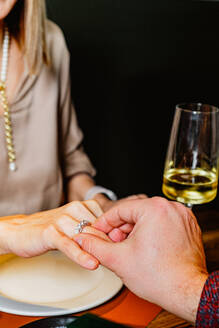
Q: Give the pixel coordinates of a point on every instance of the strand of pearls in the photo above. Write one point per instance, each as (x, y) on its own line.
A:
(4, 101)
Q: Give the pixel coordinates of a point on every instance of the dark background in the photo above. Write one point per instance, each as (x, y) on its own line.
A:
(131, 62)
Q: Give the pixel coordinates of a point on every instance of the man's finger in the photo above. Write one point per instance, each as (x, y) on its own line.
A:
(129, 211)
(117, 235)
(139, 196)
(104, 251)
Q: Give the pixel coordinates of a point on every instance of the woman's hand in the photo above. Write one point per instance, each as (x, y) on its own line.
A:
(38, 233)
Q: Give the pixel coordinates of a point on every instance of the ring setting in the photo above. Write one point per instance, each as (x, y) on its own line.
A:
(81, 225)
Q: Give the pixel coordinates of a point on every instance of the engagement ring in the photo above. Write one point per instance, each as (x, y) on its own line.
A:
(80, 226)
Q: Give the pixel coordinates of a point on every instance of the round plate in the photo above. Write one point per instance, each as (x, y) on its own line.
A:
(53, 285)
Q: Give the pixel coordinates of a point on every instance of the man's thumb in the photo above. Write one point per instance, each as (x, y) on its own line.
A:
(104, 251)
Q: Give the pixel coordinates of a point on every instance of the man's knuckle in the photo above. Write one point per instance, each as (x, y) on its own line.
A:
(72, 206)
(161, 203)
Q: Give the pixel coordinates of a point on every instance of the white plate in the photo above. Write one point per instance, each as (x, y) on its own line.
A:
(51, 284)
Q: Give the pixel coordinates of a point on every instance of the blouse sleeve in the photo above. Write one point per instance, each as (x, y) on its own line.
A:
(208, 310)
(74, 159)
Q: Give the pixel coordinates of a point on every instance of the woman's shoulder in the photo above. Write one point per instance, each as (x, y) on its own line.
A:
(55, 39)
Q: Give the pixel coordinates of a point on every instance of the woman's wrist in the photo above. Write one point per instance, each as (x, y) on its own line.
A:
(78, 186)
(94, 190)
(3, 237)
(6, 229)
(104, 202)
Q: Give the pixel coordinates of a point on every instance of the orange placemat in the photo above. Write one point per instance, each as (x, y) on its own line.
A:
(133, 311)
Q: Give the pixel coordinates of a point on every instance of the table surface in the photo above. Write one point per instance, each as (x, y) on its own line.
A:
(128, 309)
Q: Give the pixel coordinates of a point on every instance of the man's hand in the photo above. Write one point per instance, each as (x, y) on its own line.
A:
(162, 259)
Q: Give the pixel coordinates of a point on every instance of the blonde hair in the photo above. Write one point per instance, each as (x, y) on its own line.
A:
(27, 23)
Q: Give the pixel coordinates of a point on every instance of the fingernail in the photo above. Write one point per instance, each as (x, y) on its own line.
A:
(91, 264)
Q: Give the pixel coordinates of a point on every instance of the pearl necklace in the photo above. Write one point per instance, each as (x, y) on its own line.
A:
(4, 101)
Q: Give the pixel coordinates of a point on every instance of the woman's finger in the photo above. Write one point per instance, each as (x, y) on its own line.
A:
(94, 207)
(68, 226)
(79, 212)
(70, 248)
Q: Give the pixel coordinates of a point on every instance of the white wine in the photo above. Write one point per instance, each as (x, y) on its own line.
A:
(189, 186)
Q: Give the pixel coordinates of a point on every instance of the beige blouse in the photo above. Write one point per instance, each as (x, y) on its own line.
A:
(47, 138)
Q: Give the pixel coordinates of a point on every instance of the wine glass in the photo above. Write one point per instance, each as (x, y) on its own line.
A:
(191, 166)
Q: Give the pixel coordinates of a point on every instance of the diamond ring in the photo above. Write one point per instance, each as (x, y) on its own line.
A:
(80, 226)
